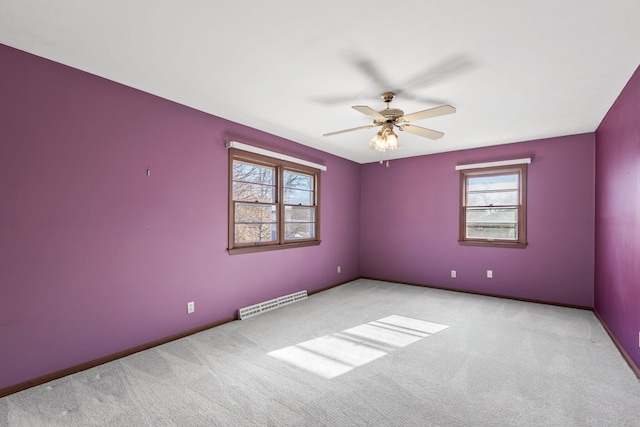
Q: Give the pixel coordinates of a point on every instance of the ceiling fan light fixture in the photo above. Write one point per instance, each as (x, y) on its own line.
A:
(378, 142)
(391, 140)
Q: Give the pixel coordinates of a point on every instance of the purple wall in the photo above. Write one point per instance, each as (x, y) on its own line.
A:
(617, 272)
(409, 228)
(95, 256)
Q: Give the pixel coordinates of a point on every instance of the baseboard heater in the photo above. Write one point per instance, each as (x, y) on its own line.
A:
(272, 304)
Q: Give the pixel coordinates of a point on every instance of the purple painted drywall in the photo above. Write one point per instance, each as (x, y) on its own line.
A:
(617, 259)
(410, 223)
(95, 256)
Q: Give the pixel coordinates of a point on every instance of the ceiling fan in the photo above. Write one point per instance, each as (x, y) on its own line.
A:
(389, 118)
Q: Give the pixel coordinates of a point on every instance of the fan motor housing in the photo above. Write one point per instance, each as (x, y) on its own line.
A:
(392, 114)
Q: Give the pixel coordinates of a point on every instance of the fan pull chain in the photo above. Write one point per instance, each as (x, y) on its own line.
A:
(381, 161)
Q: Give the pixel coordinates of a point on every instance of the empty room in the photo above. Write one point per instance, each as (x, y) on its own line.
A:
(331, 213)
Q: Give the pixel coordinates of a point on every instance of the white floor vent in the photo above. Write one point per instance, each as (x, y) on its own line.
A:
(254, 310)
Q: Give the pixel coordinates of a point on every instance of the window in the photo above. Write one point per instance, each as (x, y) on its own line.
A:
(493, 208)
(273, 204)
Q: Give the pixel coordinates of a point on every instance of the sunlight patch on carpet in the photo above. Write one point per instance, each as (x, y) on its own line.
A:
(336, 354)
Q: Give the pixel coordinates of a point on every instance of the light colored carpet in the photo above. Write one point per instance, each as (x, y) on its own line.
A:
(491, 362)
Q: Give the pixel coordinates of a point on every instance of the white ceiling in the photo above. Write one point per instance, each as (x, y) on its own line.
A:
(515, 70)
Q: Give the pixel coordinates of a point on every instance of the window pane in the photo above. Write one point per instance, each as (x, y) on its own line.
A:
(247, 172)
(249, 192)
(492, 223)
(253, 212)
(256, 233)
(298, 197)
(492, 182)
(299, 230)
(298, 180)
(492, 216)
(299, 214)
(255, 223)
(492, 231)
(500, 198)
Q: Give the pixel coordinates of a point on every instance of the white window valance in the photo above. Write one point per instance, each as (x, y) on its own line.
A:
(494, 164)
(275, 155)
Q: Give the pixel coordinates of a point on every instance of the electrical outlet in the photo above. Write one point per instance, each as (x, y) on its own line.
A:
(490, 274)
(339, 269)
(453, 274)
(191, 307)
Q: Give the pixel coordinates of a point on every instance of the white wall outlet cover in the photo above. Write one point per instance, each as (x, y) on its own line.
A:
(191, 307)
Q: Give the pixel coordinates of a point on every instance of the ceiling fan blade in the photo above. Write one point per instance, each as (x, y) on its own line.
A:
(420, 131)
(446, 69)
(425, 114)
(369, 112)
(348, 130)
(370, 70)
(337, 99)
(423, 100)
